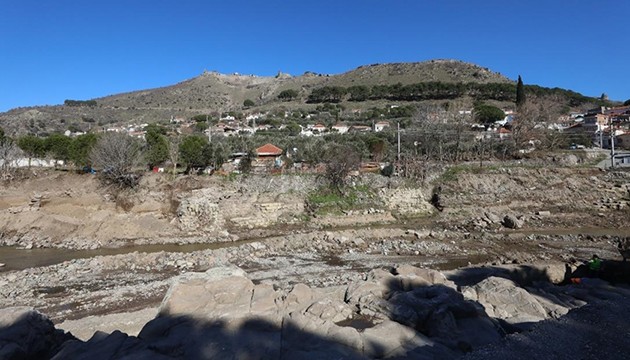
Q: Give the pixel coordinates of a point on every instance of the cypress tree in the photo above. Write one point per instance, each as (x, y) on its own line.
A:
(520, 92)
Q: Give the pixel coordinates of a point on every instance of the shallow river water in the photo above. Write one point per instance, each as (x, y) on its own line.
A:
(18, 259)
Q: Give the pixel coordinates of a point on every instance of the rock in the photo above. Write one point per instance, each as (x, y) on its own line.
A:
(330, 309)
(116, 345)
(389, 339)
(309, 338)
(411, 277)
(569, 160)
(218, 293)
(492, 217)
(299, 297)
(512, 222)
(27, 334)
(503, 299)
(129, 322)
(358, 242)
(418, 234)
(623, 245)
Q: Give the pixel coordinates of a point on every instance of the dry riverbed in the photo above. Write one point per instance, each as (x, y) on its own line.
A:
(130, 251)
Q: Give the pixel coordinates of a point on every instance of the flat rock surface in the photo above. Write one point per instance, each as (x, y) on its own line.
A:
(128, 322)
(595, 331)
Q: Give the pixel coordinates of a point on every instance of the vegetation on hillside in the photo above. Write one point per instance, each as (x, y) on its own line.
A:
(80, 102)
(444, 91)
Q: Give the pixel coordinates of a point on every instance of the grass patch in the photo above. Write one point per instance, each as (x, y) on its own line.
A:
(452, 173)
(324, 201)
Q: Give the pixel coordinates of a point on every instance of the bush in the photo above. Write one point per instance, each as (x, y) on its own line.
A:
(388, 170)
(288, 95)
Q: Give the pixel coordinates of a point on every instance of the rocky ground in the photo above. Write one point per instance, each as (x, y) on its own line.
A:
(502, 218)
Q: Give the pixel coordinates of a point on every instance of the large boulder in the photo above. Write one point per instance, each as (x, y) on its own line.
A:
(424, 300)
(223, 292)
(505, 300)
(29, 335)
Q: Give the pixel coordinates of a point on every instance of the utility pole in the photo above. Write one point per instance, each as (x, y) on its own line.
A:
(398, 131)
(209, 129)
(612, 145)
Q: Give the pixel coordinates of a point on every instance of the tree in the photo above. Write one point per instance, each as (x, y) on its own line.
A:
(288, 95)
(487, 114)
(201, 126)
(217, 153)
(9, 153)
(248, 103)
(626, 103)
(32, 147)
(191, 151)
(294, 129)
(58, 147)
(339, 159)
(520, 93)
(157, 145)
(117, 155)
(80, 149)
(377, 147)
(245, 165)
(359, 93)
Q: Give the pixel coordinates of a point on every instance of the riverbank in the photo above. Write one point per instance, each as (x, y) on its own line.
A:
(502, 217)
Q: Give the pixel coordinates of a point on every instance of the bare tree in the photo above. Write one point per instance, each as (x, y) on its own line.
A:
(9, 154)
(339, 160)
(442, 133)
(117, 155)
(533, 119)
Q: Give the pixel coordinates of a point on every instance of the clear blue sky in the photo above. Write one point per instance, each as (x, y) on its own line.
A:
(83, 49)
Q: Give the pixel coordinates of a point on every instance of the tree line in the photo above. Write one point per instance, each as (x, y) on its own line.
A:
(90, 103)
(435, 90)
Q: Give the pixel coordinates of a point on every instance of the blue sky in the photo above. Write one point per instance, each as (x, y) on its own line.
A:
(82, 49)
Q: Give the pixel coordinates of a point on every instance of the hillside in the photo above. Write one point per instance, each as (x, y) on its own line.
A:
(213, 93)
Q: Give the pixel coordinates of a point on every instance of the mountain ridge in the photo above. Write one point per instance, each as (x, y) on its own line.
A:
(213, 92)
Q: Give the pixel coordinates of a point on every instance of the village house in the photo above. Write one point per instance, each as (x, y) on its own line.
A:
(268, 157)
(360, 128)
(317, 128)
(381, 125)
(340, 128)
(504, 133)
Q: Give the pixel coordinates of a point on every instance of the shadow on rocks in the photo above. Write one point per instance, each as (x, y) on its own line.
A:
(185, 337)
(25, 334)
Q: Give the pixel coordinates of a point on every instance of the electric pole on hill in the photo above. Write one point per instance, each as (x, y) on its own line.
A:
(612, 144)
(398, 131)
(209, 129)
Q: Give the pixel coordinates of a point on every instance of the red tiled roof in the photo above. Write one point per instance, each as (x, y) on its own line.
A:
(269, 150)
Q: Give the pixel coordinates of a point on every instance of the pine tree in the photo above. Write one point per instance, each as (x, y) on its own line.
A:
(520, 92)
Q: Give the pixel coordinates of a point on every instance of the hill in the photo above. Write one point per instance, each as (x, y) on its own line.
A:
(214, 93)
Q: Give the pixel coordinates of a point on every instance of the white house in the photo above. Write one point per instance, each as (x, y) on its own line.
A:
(381, 125)
(341, 128)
